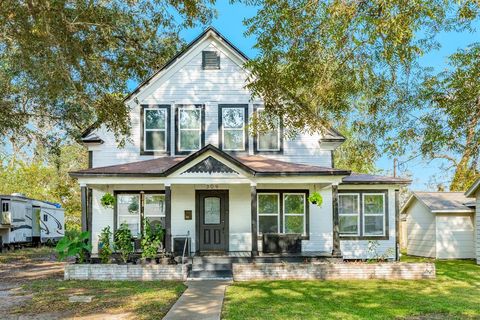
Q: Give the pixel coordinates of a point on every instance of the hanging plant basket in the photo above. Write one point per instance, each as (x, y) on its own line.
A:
(316, 198)
(108, 200)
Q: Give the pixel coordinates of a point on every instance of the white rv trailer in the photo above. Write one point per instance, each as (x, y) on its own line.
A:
(24, 220)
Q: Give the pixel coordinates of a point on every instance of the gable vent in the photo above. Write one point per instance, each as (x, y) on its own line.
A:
(210, 60)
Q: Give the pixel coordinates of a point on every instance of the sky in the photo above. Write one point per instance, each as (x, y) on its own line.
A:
(424, 173)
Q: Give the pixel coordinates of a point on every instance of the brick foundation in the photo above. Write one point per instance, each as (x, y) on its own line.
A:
(124, 272)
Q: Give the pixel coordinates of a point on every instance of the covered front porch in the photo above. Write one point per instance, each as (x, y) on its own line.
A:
(224, 205)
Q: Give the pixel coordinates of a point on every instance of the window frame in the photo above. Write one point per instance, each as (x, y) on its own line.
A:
(7, 204)
(358, 214)
(383, 215)
(141, 194)
(145, 216)
(256, 138)
(178, 108)
(143, 141)
(117, 222)
(386, 223)
(281, 193)
(269, 214)
(221, 129)
(295, 214)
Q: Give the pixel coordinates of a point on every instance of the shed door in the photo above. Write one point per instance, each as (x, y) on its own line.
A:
(455, 237)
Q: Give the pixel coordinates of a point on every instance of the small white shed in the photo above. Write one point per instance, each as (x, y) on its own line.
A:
(474, 192)
(440, 225)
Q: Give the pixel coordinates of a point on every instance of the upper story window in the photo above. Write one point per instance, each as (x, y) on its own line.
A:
(190, 128)
(210, 60)
(363, 214)
(270, 141)
(233, 127)
(155, 129)
(5, 206)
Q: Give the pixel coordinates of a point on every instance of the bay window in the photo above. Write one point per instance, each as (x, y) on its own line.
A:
(233, 121)
(189, 129)
(282, 212)
(363, 214)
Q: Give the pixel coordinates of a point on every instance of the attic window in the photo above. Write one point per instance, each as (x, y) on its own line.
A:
(210, 60)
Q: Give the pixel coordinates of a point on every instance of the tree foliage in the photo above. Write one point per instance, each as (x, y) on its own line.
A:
(319, 60)
(45, 177)
(449, 125)
(66, 64)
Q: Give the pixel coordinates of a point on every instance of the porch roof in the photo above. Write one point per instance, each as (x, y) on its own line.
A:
(254, 164)
(362, 178)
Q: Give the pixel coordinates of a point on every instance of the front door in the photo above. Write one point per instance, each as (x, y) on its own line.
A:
(212, 220)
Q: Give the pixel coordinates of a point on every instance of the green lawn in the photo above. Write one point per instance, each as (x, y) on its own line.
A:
(455, 294)
(142, 300)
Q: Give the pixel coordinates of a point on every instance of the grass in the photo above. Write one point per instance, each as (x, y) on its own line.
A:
(143, 300)
(455, 294)
(25, 255)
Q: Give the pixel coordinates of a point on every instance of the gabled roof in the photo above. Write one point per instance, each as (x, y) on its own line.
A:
(179, 55)
(255, 165)
(471, 192)
(362, 178)
(441, 202)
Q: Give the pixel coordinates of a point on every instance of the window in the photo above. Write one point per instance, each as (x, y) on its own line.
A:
(233, 122)
(269, 141)
(128, 211)
(348, 213)
(268, 206)
(294, 213)
(210, 60)
(373, 214)
(5, 206)
(363, 214)
(282, 212)
(155, 124)
(155, 136)
(154, 209)
(45, 218)
(189, 128)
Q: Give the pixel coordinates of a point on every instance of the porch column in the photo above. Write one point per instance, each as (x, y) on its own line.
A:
(83, 198)
(253, 193)
(336, 230)
(168, 219)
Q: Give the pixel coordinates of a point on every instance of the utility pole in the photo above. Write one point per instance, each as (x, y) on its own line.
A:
(395, 164)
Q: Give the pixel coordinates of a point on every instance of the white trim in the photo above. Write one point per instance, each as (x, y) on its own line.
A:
(296, 214)
(268, 214)
(383, 215)
(454, 211)
(470, 193)
(357, 195)
(165, 114)
(242, 109)
(183, 108)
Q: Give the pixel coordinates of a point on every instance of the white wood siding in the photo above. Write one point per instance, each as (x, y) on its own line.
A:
(477, 227)
(421, 231)
(455, 236)
(101, 218)
(188, 83)
(358, 249)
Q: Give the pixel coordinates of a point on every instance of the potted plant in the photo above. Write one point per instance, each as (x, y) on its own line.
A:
(123, 242)
(108, 200)
(104, 245)
(74, 244)
(315, 198)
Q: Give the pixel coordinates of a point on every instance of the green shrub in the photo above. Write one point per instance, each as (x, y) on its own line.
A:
(123, 241)
(105, 248)
(74, 244)
(151, 240)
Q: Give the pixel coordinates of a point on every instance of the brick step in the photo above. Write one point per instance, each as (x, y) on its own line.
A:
(210, 274)
(208, 266)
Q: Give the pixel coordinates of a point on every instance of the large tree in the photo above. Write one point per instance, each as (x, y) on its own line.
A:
(449, 125)
(320, 61)
(65, 64)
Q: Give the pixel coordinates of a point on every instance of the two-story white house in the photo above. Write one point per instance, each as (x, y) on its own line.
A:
(193, 167)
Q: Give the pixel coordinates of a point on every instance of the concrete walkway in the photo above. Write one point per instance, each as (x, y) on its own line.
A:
(202, 300)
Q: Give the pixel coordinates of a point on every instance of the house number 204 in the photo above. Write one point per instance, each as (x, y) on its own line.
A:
(212, 186)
